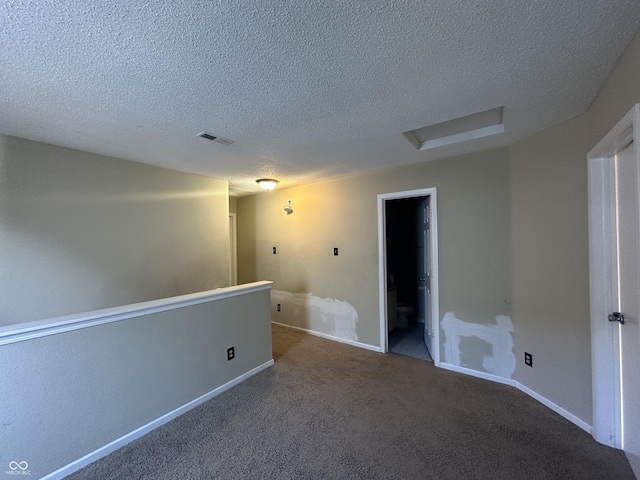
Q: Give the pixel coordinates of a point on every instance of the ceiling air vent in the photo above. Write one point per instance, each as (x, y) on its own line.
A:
(462, 129)
(214, 138)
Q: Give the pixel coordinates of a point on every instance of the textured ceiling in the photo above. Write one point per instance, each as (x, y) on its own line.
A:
(307, 90)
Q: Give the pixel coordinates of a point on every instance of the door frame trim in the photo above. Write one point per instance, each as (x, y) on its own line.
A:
(605, 337)
(233, 250)
(382, 266)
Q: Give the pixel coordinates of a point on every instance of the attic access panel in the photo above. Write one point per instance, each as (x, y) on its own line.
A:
(461, 129)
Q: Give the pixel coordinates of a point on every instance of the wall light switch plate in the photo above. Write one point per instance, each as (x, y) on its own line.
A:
(335, 251)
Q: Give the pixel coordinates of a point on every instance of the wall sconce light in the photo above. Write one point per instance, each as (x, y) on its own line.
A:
(288, 208)
(267, 183)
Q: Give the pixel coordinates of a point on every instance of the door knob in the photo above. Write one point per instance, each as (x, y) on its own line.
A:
(617, 317)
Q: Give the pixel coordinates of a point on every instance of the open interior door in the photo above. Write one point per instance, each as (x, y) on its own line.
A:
(625, 319)
(424, 270)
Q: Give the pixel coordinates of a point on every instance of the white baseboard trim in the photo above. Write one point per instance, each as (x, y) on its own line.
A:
(556, 408)
(139, 432)
(476, 373)
(536, 396)
(353, 343)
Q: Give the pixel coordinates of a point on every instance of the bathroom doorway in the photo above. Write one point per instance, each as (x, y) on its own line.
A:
(407, 233)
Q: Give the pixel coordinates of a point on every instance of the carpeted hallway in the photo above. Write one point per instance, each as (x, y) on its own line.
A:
(331, 411)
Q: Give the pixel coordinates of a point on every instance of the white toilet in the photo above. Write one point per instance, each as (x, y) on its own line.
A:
(404, 310)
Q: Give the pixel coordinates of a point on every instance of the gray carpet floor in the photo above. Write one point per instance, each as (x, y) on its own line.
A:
(409, 341)
(331, 411)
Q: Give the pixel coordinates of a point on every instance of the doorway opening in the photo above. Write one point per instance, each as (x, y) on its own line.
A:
(408, 273)
(614, 249)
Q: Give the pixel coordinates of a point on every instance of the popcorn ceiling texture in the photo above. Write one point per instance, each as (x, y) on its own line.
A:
(307, 90)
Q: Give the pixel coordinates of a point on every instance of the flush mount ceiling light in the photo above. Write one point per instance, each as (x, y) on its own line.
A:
(462, 129)
(267, 183)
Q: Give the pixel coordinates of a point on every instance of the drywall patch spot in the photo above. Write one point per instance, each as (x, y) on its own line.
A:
(501, 362)
(325, 315)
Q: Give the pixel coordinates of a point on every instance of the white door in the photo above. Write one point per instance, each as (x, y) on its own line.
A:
(628, 226)
(424, 269)
(428, 324)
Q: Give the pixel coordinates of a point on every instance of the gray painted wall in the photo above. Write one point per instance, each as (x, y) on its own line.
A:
(69, 394)
(618, 94)
(551, 265)
(474, 230)
(550, 243)
(80, 232)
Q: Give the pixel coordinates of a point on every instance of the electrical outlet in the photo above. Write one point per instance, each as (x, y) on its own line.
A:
(528, 359)
(278, 307)
(274, 250)
(335, 251)
(231, 353)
